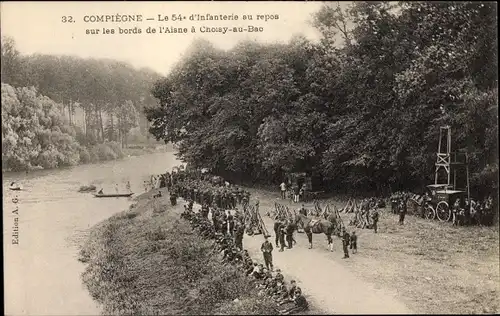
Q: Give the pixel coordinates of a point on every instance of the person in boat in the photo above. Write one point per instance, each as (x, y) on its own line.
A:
(128, 186)
(12, 184)
(100, 192)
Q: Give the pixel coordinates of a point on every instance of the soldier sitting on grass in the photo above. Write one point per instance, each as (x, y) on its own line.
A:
(258, 272)
(290, 294)
(249, 266)
(266, 280)
(281, 291)
(300, 304)
(271, 287)
(279, 277)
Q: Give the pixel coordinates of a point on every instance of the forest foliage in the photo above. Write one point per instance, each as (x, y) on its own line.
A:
(360, 109)
(40, 98)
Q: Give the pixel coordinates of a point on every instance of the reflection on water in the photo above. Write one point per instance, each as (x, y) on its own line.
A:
(42, 273)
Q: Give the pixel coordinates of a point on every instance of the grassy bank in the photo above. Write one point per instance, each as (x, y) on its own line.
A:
(434, 267)
(146, 261)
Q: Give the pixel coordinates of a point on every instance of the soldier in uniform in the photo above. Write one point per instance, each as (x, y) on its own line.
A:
(215, 219)
(402, 210)
(276, 228)
(282, 233)
(375, 216)
(173, 198)
(300, 303)
(394, 203)
(290, 227)
(267, 249)
(303, 210)
(354, 242)
(223, 217)
(290, 294)
(281, 291)
(279, 277)
(345, 243)
(238, 236)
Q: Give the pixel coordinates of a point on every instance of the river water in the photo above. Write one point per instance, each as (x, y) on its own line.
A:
(42, 274)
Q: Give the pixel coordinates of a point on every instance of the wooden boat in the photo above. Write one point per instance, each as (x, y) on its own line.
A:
(113, 195)
(16, 188)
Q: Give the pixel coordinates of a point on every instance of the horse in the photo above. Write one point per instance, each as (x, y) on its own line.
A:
(320, 226)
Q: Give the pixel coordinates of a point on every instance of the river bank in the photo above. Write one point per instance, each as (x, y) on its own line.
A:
(42, 273)
(148, 261)
(421, 267)
(105, 153)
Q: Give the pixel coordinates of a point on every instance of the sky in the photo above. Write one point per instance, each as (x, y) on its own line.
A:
(37, 27)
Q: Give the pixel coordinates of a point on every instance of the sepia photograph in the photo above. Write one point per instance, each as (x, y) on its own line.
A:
(250, 158)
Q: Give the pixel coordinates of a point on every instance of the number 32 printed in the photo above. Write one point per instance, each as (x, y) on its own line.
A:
(67, 19)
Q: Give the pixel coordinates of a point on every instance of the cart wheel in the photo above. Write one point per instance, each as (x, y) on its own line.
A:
(443, 211)
(430, 213)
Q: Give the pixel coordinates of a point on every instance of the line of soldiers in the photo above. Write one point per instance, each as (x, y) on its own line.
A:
(204, 192)
(477, 212)
(232, 251)
(367, 216)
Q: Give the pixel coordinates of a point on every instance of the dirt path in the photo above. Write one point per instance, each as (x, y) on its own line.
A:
(328, 285)
(324, 278)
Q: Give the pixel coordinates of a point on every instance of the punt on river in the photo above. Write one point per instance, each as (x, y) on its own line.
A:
(113, 195)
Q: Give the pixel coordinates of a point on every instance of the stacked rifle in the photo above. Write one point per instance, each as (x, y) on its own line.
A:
(283, 212)
(351, 207)
(253, 220)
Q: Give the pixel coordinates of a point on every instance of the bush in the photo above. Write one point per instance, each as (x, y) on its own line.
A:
(49, 159)
(115, 146)
(84, 155)
(94, 154)
(104, 152)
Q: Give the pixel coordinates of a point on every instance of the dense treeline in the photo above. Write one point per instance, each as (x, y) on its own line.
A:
(93, 104)
(361, 114)
(35, 133)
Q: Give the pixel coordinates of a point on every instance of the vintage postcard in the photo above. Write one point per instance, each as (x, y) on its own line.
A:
(264, 158)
